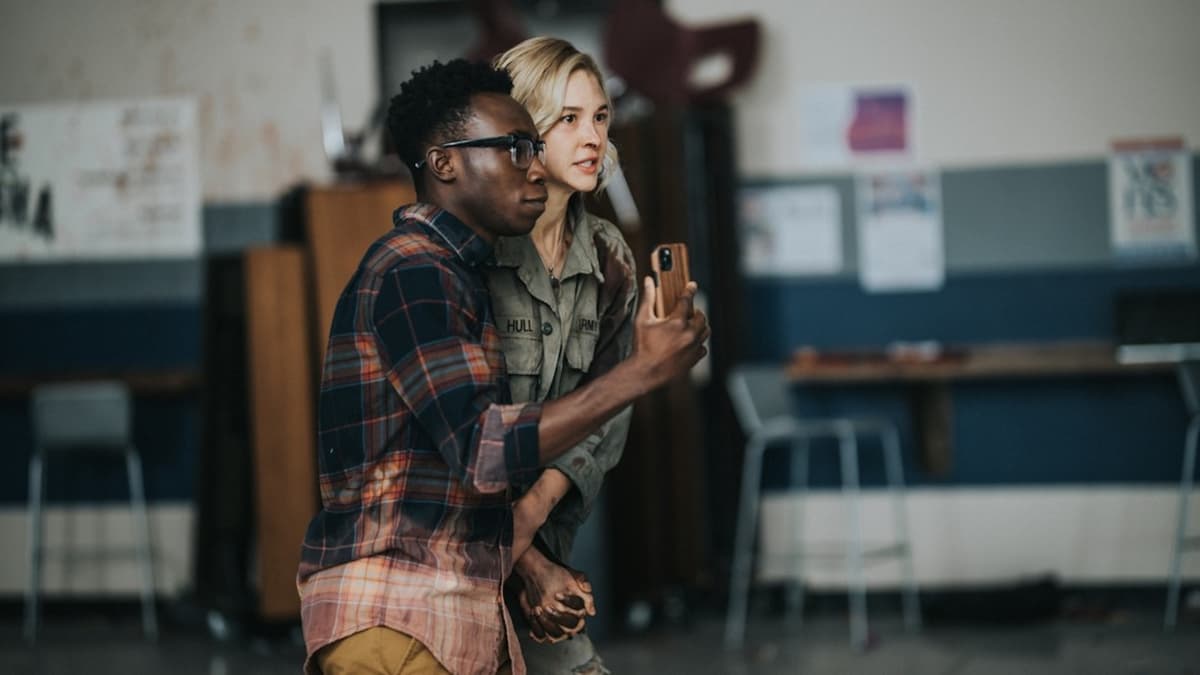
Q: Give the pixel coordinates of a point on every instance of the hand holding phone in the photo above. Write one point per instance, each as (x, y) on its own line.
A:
(670, 265)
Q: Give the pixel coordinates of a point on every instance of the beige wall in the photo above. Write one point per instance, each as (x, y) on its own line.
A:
(996, 83)
(1095, 534)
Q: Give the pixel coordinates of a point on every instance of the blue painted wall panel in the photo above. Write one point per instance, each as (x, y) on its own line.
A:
(138, 337)
(988, 307)
(1106, 430)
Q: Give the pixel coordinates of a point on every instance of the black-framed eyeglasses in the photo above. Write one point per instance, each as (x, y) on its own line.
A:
(521, 148)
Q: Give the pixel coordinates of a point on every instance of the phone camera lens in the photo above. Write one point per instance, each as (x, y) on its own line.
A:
(664, 259)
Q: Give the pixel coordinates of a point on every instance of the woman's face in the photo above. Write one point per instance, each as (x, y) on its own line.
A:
(575, 144)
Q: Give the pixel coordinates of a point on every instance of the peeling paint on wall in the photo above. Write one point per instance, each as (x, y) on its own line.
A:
(251, 68)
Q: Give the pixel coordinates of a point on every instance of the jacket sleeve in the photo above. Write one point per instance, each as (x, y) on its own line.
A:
(587, 463)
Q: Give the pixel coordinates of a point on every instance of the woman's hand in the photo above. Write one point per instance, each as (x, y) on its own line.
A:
(531, 509)
(555, 599)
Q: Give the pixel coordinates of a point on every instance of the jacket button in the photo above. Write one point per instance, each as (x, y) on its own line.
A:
(547, 328)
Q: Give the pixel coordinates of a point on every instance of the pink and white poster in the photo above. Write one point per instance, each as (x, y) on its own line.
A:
(843, 125)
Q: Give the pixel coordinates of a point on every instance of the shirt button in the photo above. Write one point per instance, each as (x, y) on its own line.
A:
(547, 328)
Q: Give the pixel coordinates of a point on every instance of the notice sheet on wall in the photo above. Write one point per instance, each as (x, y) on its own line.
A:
(842, 125)
(791, 230)
(102, 180)
(900, 241)
(1151, 204)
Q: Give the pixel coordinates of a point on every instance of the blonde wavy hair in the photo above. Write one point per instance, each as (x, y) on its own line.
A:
(539, 68)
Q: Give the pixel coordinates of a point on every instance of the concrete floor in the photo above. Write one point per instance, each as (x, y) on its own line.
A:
(1127, 643)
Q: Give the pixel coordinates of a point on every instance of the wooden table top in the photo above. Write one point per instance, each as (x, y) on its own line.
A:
(997, 360)
(141, 382)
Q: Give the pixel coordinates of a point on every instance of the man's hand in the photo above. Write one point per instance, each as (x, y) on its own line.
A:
(555, 599)
(664, 348)
(669, 346)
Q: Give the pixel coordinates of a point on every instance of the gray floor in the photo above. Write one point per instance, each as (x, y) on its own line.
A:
(1124, 644)
(1130, 646)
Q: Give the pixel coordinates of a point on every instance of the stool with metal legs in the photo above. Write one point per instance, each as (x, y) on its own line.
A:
(85, 417)
(761, 400)
(1189, 381)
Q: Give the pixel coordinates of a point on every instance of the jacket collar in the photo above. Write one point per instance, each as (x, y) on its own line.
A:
(520, 253)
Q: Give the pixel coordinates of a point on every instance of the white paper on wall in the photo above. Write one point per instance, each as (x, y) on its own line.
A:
(900, 240)
(103, 180)
(1150, 199)
(791, 230)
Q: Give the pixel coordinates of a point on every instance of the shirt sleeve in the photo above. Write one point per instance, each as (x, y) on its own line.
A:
(429, 329)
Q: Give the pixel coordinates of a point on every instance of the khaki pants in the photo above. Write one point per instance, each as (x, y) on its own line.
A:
(382, 651)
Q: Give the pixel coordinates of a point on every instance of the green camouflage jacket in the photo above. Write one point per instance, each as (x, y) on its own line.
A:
(557, 334)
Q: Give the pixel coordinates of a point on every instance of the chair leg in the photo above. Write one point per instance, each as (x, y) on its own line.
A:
(37, 485)
(743, 546)
(799, 476)
(895, 472)
(141, 524)
(1181, 527)
(848, 447)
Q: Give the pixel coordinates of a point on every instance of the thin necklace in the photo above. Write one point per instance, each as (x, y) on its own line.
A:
(553, 267)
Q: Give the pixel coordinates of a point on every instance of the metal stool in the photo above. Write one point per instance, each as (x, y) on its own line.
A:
(85, 417)
(1189, 381)
(762, 401)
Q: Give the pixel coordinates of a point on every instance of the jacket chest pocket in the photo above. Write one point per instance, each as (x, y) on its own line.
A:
(522, 355)
(523, 362)
(581, 345)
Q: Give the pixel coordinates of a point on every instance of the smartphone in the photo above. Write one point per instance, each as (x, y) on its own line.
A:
(670, 265)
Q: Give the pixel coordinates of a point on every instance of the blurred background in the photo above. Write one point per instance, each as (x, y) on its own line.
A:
(970, 223)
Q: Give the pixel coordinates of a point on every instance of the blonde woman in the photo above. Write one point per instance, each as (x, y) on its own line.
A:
(564, 297)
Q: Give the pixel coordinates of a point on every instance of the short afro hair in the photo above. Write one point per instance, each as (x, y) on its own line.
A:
(434, 105)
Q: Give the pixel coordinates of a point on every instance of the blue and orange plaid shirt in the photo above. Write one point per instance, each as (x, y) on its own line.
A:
(419, 447)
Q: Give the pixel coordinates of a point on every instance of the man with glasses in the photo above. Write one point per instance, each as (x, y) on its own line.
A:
(420, 447)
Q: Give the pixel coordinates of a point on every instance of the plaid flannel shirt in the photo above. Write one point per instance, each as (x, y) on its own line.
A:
(419, 445)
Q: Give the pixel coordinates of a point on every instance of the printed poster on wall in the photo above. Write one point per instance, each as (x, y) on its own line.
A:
(841, 125)
(900, 240)
(791, 230)
(100, 180)
(1151, 205)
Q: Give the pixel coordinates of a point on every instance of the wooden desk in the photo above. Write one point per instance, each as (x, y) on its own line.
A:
(141, 382)
(930, 378)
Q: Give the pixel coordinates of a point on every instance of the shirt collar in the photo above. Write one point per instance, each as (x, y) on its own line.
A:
(446, 228)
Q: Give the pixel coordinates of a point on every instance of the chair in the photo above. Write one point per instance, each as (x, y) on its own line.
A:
(85, 417)
(762, 402)
(1189, 380)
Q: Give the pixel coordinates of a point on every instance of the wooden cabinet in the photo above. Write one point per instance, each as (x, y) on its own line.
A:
(341, 222)
(282, 431)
